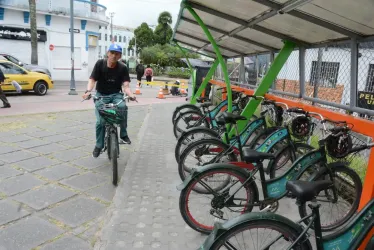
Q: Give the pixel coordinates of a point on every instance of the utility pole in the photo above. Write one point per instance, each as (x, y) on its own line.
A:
(72, 80)
(111, 25)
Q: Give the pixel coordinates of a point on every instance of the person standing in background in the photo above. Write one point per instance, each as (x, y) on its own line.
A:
(2, 95)
(139, 73)
(148, 73)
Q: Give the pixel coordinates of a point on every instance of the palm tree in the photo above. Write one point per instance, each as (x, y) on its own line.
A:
(34, 33)
(164, 20)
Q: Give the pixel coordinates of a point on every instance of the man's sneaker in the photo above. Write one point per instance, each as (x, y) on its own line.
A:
(96, 152)
(125, 140)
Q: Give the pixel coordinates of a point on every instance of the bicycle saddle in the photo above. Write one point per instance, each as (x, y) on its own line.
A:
(307, 190)
(232, 118)
(202, 99)
(253, 156)
(205, 104)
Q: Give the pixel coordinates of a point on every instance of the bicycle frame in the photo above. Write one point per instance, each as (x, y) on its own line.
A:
(349, 237)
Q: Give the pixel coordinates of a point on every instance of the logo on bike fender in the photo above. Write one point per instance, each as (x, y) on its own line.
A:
(278, 187)
(248, 131)
(272, 139)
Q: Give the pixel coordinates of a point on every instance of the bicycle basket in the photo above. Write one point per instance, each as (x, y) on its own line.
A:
(301, 127)
(112, 115)
(339, 146)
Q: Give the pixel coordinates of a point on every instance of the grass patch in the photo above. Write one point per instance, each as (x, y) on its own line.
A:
(11, 126)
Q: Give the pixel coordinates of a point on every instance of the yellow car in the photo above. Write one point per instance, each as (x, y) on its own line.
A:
(29, 81)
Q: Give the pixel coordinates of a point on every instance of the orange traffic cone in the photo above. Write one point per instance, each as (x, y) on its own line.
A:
(182, 90)
(137, 91)
(160, 94)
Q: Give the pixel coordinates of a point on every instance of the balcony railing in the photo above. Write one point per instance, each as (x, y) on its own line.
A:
(82, 8)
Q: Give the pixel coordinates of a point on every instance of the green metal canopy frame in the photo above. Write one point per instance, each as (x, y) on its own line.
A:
(220, 60)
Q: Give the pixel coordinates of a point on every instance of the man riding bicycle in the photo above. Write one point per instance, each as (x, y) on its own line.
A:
(111, 79)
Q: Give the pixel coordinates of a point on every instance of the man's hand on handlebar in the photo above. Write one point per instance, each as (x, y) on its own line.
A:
(86, 96)
(132, 98)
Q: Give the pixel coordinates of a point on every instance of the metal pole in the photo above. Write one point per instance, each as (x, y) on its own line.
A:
(111, 26)
(319, 71)
(354, 70)
(72, 79)
(273, 86)
(242, 70)
(302, 71)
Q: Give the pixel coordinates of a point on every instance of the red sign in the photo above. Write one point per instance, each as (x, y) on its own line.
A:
(51, 47)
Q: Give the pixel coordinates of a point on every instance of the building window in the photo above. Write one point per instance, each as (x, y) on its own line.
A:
(99, 51)
(132, 52)
(110, 37)
(115, 38)
(120, 39)
(124, 39)
(100, 36)
(370, 79)
(124, 51)
(328, 75)
(128, 52)
(106, 37)
(106, 48)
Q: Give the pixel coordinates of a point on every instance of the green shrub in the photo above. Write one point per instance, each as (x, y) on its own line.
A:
(179, 72)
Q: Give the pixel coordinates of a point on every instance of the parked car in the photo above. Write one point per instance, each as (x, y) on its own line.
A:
(29, 80)
(29, 67)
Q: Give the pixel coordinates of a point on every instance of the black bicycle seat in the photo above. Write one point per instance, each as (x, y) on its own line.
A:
(307, 190)
(253, 156)
(205, 104)
(202, 99)
(232, 118)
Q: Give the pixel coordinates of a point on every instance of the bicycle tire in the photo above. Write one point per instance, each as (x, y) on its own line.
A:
(182, 142)
(262, 135)
(272, 169)
(184, 107)
(288, 231)
(212, 141)
(108, 146)
(184, 196)
(358, 190)
(114, 157)
(178, 131)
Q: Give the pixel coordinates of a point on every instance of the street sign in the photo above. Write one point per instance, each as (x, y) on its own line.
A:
(75, 30)
(51, 47)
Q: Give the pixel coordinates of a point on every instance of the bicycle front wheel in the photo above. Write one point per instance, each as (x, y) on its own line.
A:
(188, 120)
(260, 234)
(114, 157)
(183, 108)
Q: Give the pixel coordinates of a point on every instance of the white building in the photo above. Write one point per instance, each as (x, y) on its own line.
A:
(335, 68)
(53, 22)
(122, 36)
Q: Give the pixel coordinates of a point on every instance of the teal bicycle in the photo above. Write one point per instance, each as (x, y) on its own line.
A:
(272, 231)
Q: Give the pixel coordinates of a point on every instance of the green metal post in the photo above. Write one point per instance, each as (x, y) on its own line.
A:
(205, 82)
(216, 50)
(266, 83)
(189, 64)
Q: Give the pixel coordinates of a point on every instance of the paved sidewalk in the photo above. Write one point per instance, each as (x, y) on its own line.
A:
(53, 194)
(145, 211)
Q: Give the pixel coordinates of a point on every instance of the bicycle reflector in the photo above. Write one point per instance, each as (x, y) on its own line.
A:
(339, 146)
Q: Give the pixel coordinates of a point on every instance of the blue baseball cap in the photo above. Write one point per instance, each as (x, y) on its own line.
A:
(115, 47)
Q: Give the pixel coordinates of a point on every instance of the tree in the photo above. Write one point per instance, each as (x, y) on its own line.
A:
(34, 33)
(163, 31)
(164, 55)
(144, 38)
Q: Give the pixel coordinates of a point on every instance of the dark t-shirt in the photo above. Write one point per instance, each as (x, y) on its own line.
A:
(109, 80)
(2, 77)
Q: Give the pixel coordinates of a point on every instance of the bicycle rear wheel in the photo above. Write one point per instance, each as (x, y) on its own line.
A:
(184, 108)
(188, 120)
(271, 235)
(114, 156)
(348, 188)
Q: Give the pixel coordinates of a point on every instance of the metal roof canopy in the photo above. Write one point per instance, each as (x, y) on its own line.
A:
(243, 27)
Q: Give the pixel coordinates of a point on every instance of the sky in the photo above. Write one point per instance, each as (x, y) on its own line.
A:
(131, 13)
